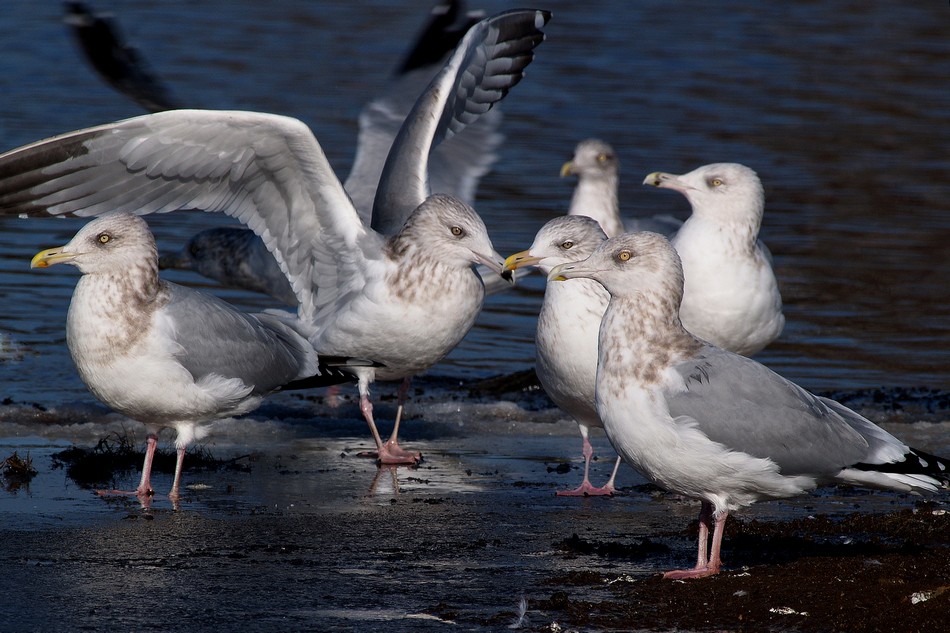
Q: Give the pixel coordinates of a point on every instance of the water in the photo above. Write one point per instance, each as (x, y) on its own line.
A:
(839, 106)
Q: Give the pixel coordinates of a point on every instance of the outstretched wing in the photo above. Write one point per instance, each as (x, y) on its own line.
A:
(487, 63)
(267, 171)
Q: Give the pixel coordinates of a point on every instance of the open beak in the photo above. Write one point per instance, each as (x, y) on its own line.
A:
(496, 265)
(520, 260)
(45, 259)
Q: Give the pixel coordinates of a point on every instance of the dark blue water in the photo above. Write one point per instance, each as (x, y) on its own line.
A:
(840, 106)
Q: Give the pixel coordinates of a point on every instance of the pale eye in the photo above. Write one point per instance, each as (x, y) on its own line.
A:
(602, 158)
(457, 231)
(624, 255)
(104, 238)
(716, 182)
(567, 245)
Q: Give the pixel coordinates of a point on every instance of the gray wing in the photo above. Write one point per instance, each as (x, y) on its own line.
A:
(268, 171)
(488, 62)
(749, 408)
(456, 166)
(458, 163)
(215, 338)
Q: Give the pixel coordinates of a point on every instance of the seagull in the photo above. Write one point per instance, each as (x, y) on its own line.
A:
(163, 354)
(234, 256)
(713, 425)
(566, 340)
(598, 175)
(405, 299)
(735, 305)
(731, 298)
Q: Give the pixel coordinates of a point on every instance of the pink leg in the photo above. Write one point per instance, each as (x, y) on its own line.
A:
(389, 452)
(332, 396)
(144, 490)
(176, 486)
(586, 489)
(706, 564)
(145, 484)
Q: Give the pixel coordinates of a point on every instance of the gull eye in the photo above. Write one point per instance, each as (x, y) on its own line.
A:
(715, 182)
(104, 238)
(602, 158)
(567, 245)
(457, 231)
(624, 255)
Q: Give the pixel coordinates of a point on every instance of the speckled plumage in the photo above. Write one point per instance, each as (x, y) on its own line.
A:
(714, 425)
(163, 354)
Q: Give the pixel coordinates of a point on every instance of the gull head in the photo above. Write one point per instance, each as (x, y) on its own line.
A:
(568, 238)
(111, 243)
(593, 158)
(449, 230)
(719, 191)
(630, 265)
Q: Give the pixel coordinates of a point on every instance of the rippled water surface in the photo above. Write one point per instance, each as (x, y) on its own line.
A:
(839, 106)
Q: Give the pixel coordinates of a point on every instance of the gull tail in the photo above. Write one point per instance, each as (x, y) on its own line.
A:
(918, 471)
(334, 370)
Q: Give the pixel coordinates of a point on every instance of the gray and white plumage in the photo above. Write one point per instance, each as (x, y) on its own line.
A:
(568, 323)
(449, 142)
(597, 168)
(714, 425)
(163, 354)
(402, 303)
(731, 298)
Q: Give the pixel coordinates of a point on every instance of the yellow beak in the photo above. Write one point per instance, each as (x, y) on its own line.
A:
(567, 169)
(45, 259)
(519, 260)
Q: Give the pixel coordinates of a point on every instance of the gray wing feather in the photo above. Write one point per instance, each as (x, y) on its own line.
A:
(749, 408)
(258, 349)
(488, 62)
(267, 171)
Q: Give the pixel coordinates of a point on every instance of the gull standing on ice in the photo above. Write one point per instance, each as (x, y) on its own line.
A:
(566, 339)
(404, 300)
(164, 354)
(731, 298)
(598, 176)
(713, 425)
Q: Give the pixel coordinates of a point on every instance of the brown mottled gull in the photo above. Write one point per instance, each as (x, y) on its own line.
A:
(163, 354)
(713, 425)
